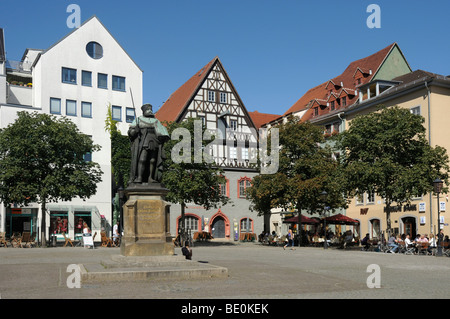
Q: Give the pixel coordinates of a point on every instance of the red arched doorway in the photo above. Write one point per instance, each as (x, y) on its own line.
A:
(220, 225)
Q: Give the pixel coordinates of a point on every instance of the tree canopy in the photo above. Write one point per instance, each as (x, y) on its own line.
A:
(43, 159)
(192, 180)
(387, 153)
(306, 168)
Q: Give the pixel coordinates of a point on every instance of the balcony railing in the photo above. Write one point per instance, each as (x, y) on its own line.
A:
(18, 66)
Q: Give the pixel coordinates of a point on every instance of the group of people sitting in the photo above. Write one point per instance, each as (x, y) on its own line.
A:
(430, 242)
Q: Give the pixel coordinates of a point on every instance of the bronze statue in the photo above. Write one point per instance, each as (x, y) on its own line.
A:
(147, 136)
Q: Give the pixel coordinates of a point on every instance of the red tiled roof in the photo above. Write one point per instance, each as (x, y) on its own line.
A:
(367, 64)
(175, 104)
(261, 118)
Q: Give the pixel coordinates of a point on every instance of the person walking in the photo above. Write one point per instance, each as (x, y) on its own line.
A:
(290, 237)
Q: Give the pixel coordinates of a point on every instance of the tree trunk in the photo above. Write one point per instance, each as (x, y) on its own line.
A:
(181, 225)
(43, 226)
(388, 218)
(299, 227)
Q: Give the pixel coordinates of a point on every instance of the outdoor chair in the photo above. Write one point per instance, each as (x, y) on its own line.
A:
(32, 241)
(24, 240)
(67, 240)
(446, 249)
(3, 239)
(422, 248)
(410, 250)
(106, 241)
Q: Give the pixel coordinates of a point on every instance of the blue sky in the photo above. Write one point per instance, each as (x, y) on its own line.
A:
(273, 51)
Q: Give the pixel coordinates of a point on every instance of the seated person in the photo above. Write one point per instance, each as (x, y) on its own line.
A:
(365, 242)
(408, 242)
(392, 242)
(187, 251)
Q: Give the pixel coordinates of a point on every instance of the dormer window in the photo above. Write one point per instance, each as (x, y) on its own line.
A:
(344, 101)
(332, 107)
(316, 111)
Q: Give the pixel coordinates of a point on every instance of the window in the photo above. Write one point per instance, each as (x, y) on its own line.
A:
(375, 228)
(223, 97)
(87, 157)
(245, 153)
(359, 199)
(58, 222)
(415, 110)
(55, 106)
(370, 198)
(233, 125)
(243, 184)
(80, 219)
(211, 96)
(86, 78)
(129, 116)
(102, 81)
(86, 109)
(224, 189)
(117, 113)
(69, 76)
(233, 152)
(344, 101)
(191, 223)
(71, 107)
(94, 50)
(246, 225)
(316, 111)
(118, 83)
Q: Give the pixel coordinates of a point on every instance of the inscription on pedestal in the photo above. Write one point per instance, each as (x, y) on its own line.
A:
(150, 218)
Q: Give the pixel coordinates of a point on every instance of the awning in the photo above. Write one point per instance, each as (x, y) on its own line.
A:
(341, 220)
(305, 220)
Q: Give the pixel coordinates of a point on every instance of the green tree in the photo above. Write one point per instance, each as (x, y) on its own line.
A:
(387, 153)
(306, 168)
(42, 160)
(191, 181)
(120, 159)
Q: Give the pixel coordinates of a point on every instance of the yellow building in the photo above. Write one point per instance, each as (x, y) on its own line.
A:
(422, 93)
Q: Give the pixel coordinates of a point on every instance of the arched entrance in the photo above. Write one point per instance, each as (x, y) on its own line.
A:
(409, 226)
(220, 225)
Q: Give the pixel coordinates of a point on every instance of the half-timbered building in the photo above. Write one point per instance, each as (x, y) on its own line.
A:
(210, 95)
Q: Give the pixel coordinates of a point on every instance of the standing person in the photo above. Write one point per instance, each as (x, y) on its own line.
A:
(290, 237)
(116, 233)
(86, 230)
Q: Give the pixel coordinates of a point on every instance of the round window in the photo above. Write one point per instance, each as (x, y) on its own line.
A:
(94, 50)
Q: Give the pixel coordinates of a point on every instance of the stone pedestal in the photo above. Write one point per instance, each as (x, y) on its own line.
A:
(146, 222)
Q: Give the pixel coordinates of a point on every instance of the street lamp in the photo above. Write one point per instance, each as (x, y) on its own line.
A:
(438, 183)
(323, 198)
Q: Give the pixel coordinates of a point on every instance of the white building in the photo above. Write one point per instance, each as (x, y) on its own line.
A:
(77, 77)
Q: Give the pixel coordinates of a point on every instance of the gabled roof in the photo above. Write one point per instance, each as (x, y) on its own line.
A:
(172, 108)
(261, 118)
(372, 62)
(75, 30)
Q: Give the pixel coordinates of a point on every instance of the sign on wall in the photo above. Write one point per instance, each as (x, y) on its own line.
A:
(422, 207)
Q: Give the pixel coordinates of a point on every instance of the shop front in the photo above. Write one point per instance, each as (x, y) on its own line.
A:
(19, 220)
